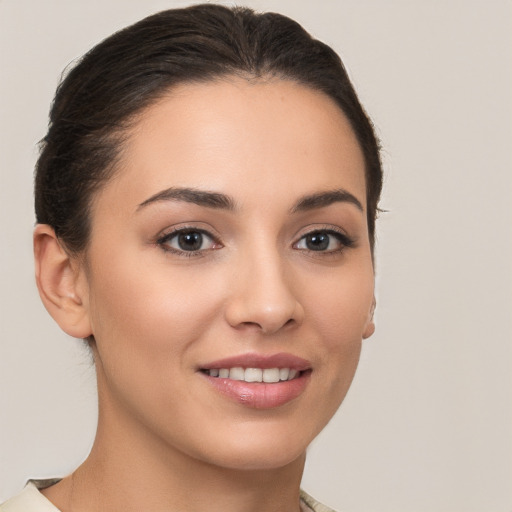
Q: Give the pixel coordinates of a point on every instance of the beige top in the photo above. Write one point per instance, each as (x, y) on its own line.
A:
(31, 500)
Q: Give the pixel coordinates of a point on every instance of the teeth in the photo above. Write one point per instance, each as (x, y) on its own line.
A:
(236, 373)
(253, 375)
(269, 375)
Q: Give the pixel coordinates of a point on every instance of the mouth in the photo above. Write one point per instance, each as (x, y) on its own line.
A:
(258, 381)
(267, 375)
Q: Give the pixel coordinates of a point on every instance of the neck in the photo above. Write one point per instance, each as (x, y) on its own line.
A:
(130, 478)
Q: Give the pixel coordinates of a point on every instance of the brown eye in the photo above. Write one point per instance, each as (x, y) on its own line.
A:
(324, 241)
(317, 241)
(192, 241)
(187, 241)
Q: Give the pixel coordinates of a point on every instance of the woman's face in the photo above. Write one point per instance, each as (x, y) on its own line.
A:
(232, 244)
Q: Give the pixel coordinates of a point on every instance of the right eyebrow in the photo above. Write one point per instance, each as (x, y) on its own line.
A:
(191, 195)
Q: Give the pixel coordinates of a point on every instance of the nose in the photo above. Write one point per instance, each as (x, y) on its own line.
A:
(263, 296)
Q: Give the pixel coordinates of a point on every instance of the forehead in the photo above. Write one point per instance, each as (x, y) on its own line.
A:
(245, 138)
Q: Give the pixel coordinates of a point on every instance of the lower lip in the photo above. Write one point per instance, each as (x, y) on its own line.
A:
(260, 395)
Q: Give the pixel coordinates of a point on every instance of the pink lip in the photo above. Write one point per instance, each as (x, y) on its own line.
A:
(260, 395)
(252, 360)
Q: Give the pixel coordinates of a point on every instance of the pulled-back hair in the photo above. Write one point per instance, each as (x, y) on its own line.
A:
(128, 71)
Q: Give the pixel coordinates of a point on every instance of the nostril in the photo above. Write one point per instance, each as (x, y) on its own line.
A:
(251, 324)
(267, 327)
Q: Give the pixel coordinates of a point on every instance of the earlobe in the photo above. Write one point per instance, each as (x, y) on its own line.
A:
(370, 325)
(61, 283)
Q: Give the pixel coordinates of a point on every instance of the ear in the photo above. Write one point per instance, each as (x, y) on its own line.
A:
(61, 283)
(370, 324)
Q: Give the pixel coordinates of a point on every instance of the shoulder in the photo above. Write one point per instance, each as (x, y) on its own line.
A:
(30, 499)
(311, 504)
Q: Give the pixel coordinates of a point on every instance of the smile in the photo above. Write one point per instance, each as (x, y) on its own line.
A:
(267, 375)
(259, 381)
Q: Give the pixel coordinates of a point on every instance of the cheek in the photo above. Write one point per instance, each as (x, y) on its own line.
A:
(339, 313)
(146, 325)
(157, 306)
(340, 305)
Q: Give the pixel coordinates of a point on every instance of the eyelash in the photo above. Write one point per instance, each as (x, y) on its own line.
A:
(345, 242)
(163, 241)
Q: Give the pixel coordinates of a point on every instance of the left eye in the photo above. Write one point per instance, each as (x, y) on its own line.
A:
(190, 240)
(326, 241)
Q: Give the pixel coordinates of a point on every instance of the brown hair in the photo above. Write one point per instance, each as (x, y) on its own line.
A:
(129, 70)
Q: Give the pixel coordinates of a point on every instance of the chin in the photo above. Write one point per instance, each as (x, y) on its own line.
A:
(264, 448)
(258, 461)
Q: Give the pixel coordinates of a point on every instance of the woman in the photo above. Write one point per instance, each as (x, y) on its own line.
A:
(206, 199)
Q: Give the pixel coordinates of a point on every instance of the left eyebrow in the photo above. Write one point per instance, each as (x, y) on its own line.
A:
(323, 199)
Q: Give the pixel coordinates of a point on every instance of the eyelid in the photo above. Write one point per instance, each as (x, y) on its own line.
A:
(345, 240)
(174, 231)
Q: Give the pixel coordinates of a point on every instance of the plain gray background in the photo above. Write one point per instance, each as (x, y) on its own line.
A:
(427, 425)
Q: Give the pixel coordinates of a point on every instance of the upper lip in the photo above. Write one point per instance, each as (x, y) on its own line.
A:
(253, 360)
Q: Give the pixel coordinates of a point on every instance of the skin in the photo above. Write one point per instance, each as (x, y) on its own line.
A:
(158, 314)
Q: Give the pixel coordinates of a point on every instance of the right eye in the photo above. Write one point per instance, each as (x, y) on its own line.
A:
(187, 242)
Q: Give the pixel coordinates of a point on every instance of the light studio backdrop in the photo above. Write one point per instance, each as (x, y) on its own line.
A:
(427, 425)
